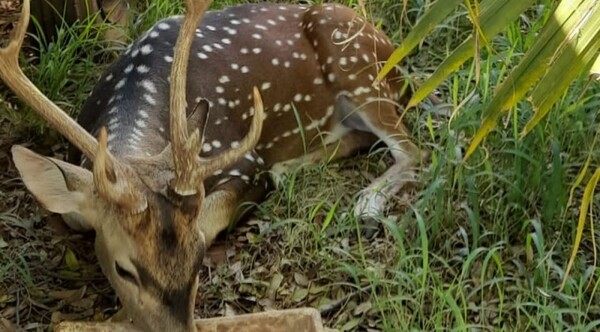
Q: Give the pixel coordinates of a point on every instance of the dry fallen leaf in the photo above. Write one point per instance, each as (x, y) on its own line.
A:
(362, 308)
(274, 285)
(7, 326)
(68, 295)
(299, 294)
(300, 279)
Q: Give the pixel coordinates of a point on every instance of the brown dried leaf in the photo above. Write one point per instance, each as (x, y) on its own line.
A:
(314, 290)
(85, 303)
(300, 279)
(267, 304)
(350, 325)
(362, 308)
(229, 311)
(6, 325)
(299, 294)
(322, 303)
(274, 285)
(72, 316)
(68, 295)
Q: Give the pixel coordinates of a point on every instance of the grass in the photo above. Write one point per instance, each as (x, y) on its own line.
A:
(476, 246)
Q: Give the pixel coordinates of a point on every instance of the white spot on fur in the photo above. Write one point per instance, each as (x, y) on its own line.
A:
(140, 123)
(120, 84)
(142, 69)
(149, 86)
(146, 49)
(149, 99)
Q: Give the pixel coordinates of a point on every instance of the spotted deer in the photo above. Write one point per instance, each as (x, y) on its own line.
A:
(183, 137)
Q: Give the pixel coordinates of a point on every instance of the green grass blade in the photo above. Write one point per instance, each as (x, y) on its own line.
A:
(566, 17)
(455, 309)
(435, 15)
(583, 171)
(579, 50)
(583, 210)
(330, 215)
(491, 24)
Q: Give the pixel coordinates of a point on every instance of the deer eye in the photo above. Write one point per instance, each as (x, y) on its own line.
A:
(123, 273)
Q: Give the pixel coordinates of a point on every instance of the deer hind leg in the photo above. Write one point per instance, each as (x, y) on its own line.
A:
(228, 190)
(338, 143)
(381, 118)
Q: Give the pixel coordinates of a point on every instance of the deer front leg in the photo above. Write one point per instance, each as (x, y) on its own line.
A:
(218, 212)
(341, 143)
(385, 122)
(242, 183)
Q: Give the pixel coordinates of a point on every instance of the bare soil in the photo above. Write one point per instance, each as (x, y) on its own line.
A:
(9, 13)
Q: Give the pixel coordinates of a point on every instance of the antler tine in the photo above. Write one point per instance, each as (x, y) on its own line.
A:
(15, 79)
(113, 182)
(209, 166)
(185, 149)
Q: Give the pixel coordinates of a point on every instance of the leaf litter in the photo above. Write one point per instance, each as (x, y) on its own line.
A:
(50, 274)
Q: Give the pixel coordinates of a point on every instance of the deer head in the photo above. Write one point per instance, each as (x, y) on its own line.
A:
(146, 212)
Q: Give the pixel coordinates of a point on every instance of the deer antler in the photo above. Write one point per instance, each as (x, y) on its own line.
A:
(116, 189)
(190, 170)
(112, 181)
(185, 148)
(209, 166)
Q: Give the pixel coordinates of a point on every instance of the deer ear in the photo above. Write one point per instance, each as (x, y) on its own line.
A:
(199, 115)
(59, 186)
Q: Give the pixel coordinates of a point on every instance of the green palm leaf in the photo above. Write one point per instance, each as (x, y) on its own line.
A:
(491, 23)
(436, 14)
(571, 19)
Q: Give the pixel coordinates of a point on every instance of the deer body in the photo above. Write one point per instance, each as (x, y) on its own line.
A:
(157, 195)
(285, 50)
